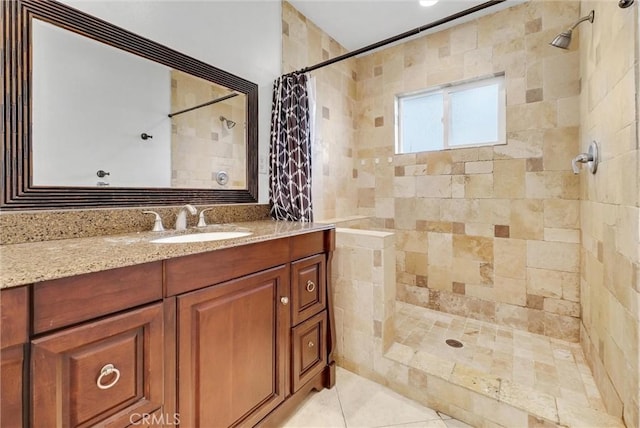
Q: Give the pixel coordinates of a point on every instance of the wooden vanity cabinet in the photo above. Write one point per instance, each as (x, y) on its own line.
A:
(233, 337)
(249, 349)
(14, 338)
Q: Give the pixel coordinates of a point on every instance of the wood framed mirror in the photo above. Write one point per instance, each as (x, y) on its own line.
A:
(23, 187)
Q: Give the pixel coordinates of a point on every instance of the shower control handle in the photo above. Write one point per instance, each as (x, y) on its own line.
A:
(582, 158)
(201, 220)
(590, 158)
(100, 173)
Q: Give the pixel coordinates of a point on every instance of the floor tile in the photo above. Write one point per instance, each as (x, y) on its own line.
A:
(356, 402)
(436, 423)
(454, 423)
(368, 404)
(321, 409)
(443, 416)
(548, 365)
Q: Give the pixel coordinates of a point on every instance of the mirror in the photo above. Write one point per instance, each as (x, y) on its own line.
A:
(107, 118)
(99, 113)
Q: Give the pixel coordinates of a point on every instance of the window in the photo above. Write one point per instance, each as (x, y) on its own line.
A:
(460, 115)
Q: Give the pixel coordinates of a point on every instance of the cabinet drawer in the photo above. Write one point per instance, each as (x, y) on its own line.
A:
(309, 348)
(308, 288)
(66, 301)
(189, 273)
(308, 244)
(72, 384)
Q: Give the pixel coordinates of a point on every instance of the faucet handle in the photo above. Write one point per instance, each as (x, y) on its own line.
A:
(591, 159)
(157, 224)
(201, 220)
(582, 158)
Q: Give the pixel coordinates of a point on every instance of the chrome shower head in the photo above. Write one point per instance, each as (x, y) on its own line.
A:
(228, 122)
(563, 40)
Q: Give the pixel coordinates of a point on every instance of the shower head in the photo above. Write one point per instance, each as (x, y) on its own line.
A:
(563, 40)
(228, 122)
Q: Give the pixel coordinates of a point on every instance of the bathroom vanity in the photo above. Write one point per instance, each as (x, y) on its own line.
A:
(231, 333)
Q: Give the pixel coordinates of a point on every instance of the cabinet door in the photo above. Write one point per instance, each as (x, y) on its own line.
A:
(232, 351)
(308, 288)
(108, 372)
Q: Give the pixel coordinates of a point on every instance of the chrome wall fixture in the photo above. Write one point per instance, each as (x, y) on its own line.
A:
(228, 122)
(591, 158)
(222, 178)
(563, 40)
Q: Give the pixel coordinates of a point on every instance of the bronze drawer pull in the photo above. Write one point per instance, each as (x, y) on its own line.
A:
(311, 344)
(311, 286)
(106, 371)
(284, 300)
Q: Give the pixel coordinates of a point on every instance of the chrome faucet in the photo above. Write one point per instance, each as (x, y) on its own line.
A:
(181, 219)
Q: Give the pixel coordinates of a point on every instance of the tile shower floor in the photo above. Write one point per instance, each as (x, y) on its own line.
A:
(521, 377)
(541, 363)
(359, 402)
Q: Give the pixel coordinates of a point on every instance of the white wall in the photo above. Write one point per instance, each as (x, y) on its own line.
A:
(73, 118)
(241, 37)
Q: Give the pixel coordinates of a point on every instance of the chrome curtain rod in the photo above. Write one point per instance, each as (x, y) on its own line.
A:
(208, 103)
(399, 36)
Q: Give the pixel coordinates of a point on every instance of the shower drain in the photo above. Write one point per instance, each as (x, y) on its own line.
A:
(454, 343)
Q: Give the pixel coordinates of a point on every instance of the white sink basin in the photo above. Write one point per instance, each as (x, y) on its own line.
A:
(200, 237)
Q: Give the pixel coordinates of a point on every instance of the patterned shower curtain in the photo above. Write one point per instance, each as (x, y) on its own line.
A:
(290, 150)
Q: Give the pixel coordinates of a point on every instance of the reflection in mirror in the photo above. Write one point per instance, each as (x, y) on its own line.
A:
(105, 117)
(203, 142)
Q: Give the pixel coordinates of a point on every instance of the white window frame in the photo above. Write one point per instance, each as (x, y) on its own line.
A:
(446, 91)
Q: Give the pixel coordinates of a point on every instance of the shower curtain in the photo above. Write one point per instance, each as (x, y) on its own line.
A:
(290, 149)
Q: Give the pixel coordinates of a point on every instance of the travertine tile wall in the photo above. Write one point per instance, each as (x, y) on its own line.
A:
(305, 44)
(201, 145)
(491, 232)
(363, 279)
(610, 269)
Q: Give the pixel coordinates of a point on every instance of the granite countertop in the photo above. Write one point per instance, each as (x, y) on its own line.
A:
(27, 263)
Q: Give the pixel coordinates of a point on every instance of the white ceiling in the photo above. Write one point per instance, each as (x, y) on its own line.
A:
(358, 23)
